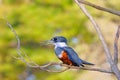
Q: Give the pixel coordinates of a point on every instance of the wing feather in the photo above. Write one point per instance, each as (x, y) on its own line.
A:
(73, 56)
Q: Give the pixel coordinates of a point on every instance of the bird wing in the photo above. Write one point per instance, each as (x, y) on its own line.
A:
(72, 55)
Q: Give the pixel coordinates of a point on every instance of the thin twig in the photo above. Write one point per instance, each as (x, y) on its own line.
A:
(100, 8)
(52, 64)
(88, 68)
(116, 45)
(18, 45)
(73, 67)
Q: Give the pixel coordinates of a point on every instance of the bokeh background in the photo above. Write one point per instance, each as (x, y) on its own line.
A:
(36, 21)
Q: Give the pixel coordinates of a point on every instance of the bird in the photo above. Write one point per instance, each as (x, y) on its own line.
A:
(65, 53)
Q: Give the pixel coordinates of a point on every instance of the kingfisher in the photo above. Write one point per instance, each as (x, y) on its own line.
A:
(65, 53)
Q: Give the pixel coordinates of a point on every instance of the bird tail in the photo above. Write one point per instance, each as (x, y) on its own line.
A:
(87, 63)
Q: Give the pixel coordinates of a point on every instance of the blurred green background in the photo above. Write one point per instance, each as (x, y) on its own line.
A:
(36, 21)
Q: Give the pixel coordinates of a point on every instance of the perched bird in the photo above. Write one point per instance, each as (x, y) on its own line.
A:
(65, 53)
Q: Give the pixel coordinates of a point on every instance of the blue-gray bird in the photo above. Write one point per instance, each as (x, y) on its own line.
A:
(65, 53)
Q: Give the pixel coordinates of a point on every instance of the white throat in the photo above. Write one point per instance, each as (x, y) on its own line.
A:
(60, 44)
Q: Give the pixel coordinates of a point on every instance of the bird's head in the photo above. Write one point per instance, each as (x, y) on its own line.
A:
(59, 41)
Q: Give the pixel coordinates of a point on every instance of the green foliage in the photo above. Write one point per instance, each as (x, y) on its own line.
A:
(39, 19)
(11, 2)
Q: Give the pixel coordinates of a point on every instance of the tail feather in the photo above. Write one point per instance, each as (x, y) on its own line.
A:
(87, 63)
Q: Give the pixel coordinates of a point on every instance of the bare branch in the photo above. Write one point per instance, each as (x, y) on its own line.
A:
(100, 8)
(75, 67)
(88, 68)
(18, 45)
(97, 69)
(116, 45)
(53, 63)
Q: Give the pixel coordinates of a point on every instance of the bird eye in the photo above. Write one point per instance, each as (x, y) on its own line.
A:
(54, 39)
